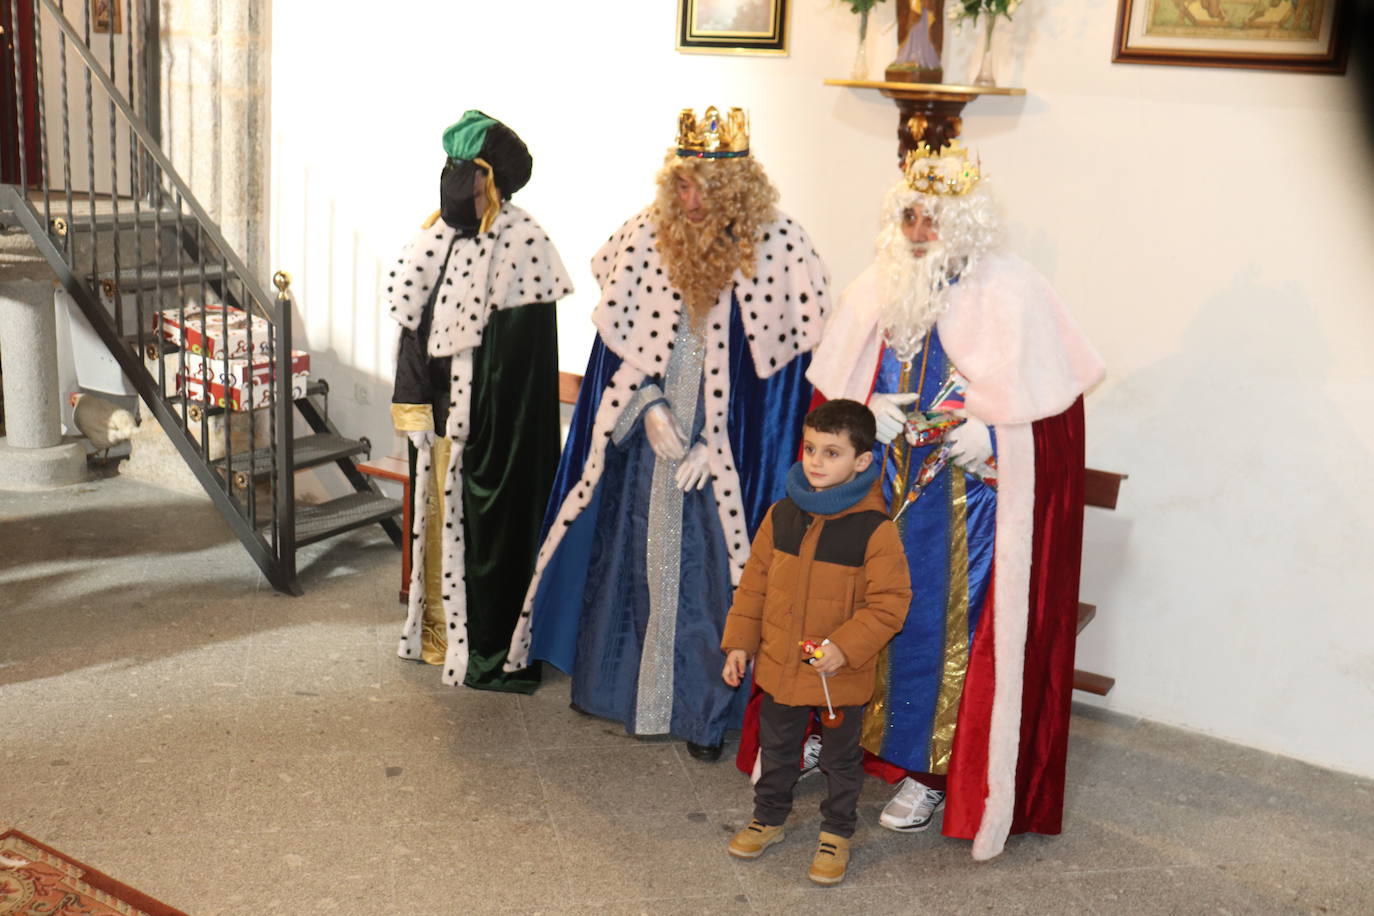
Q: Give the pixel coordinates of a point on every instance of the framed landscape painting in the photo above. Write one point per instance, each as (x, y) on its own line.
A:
(1310, 36)
(732, 26)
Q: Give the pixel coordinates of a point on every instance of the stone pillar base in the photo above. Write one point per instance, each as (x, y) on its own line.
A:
(42, 468)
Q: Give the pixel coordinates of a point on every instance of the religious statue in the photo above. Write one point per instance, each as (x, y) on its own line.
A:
(920, 39)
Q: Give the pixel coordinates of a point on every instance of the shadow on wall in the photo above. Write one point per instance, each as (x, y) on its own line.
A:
(1235, 456)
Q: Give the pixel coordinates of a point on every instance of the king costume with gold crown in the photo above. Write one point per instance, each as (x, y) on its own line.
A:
(477, 395)
(689, 417)
(975, 371)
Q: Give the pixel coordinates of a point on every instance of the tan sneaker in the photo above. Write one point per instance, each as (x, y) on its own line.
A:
(832, 857)
(750, 842)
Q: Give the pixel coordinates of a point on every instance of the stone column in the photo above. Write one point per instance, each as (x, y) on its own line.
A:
(215, 62)
(33, 455)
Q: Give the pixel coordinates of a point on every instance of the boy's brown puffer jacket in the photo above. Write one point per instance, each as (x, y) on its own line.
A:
(843, 577)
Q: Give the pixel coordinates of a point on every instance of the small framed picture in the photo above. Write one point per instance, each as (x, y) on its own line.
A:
(732, 26)
(106, 18)
(1311, 36)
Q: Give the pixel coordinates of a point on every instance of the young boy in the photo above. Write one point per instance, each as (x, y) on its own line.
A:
(827, 563)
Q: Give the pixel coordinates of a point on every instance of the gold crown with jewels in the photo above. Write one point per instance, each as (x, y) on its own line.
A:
(713, 136)
(947, 172)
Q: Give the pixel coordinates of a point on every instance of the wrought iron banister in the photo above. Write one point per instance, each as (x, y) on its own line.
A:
(151, 148)
(192, 259)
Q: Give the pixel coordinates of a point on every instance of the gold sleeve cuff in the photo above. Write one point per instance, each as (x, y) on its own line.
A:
(412, 418)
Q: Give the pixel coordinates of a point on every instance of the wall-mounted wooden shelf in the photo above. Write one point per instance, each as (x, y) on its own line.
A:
(927, 112)
(920, 90)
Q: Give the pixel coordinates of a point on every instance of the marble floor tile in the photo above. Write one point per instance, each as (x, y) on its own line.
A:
(641, 859)
(479, 864)
(234, 751)
(648, 779)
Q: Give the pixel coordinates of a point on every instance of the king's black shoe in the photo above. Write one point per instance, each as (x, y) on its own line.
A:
(707, 753)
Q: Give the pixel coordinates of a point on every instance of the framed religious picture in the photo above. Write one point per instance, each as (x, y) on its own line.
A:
(1311, 36)
(105, 17)
(732, 26)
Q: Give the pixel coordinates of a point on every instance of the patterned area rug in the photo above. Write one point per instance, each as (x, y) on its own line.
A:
(37, 879)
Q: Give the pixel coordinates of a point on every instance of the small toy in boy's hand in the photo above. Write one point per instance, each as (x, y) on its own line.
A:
(814, 651)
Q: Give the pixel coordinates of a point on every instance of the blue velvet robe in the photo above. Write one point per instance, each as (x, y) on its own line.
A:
(948, 535)
(591, 608)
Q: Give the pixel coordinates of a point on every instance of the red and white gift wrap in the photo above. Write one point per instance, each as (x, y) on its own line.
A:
(213, 369)
(213, 329)
(205, 380)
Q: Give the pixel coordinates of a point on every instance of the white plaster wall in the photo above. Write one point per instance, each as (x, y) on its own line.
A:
(1220, 263)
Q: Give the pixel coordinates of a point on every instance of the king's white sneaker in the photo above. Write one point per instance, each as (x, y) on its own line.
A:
(912, 808)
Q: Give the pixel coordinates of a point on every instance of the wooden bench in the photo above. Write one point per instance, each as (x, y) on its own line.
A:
(396, 468)
(1100, 489)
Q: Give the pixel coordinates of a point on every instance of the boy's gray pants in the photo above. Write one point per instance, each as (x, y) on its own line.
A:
(782, 731)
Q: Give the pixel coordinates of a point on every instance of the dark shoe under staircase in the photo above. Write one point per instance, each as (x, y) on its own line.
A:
(132, 242)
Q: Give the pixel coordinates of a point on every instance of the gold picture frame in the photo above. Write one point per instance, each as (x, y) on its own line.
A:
(732, 27)
(106, 17)
(1306, 36)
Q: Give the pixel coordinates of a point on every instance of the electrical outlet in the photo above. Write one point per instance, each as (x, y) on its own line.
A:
(361, 395)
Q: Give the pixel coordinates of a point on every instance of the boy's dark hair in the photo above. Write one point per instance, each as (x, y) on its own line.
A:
(844, 416)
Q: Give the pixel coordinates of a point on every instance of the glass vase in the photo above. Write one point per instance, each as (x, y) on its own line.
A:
(860, 69)
(985, 76)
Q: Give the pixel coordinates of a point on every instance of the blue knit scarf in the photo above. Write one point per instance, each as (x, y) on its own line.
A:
(833, 500)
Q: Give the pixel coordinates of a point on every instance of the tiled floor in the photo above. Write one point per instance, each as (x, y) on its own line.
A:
(167, 718)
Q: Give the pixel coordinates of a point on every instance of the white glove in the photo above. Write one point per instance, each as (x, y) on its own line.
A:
(421, 439)
(665, 436)
(695, 470)
(889, 413)
(971, 443)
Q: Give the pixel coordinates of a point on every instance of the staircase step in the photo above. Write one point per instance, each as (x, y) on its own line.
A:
(310, 451)
(157, 278)
(315, 523)
(80, 220)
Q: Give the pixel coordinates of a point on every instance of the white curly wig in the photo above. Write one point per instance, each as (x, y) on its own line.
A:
(915, 280)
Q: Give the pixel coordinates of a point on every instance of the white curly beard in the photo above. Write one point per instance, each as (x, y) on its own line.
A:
(911, 301)
(916, 280)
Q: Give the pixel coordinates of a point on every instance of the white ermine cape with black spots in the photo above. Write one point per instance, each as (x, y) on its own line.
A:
(512, 264)
(782, 307)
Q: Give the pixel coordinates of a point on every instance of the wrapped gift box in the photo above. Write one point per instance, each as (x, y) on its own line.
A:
(213, 369)
(234, 396)
(213, 329)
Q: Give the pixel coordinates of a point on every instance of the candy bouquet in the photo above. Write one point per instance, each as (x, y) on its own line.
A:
(928, 427)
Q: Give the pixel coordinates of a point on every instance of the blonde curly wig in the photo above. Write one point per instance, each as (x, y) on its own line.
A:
(701, 257)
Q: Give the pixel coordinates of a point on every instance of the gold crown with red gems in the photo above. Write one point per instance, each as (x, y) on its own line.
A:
(946, 173)
(713, 136)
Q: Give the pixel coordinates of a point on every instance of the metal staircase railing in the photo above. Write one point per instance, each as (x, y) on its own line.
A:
(141, 258)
